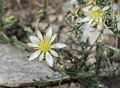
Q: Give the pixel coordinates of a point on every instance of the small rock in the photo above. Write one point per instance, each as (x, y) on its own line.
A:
(51, 10)
(15, 69)
(60, 18)
(52, 18)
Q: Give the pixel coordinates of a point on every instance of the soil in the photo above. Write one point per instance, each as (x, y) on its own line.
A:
(26, 11)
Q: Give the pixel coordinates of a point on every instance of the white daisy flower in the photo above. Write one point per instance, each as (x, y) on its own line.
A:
(94, 15)
(44, 46)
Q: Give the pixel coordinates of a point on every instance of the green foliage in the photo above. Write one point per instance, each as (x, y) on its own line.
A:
(10, 26)
(105, 55)
(42, 12)
(80, 68)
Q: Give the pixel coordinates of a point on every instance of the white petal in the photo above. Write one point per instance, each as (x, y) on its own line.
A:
(41, 57)
(49, 59)
(32, 45)
(87, 31)
(93, 36)
(95, 8)
(118, 26)
(86, 9)
(90, 22)
(105, 8)
(59, 45)
(85, 19)
(93, 24)
(34, 55)
(34, 39)
(53, 38)
(49, 33)
(55, 54)
(39, 35)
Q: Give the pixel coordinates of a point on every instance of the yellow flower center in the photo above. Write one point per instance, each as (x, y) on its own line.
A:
(96, 13)
(44, 45)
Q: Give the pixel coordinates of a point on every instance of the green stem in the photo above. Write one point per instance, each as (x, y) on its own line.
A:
(45, 5)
